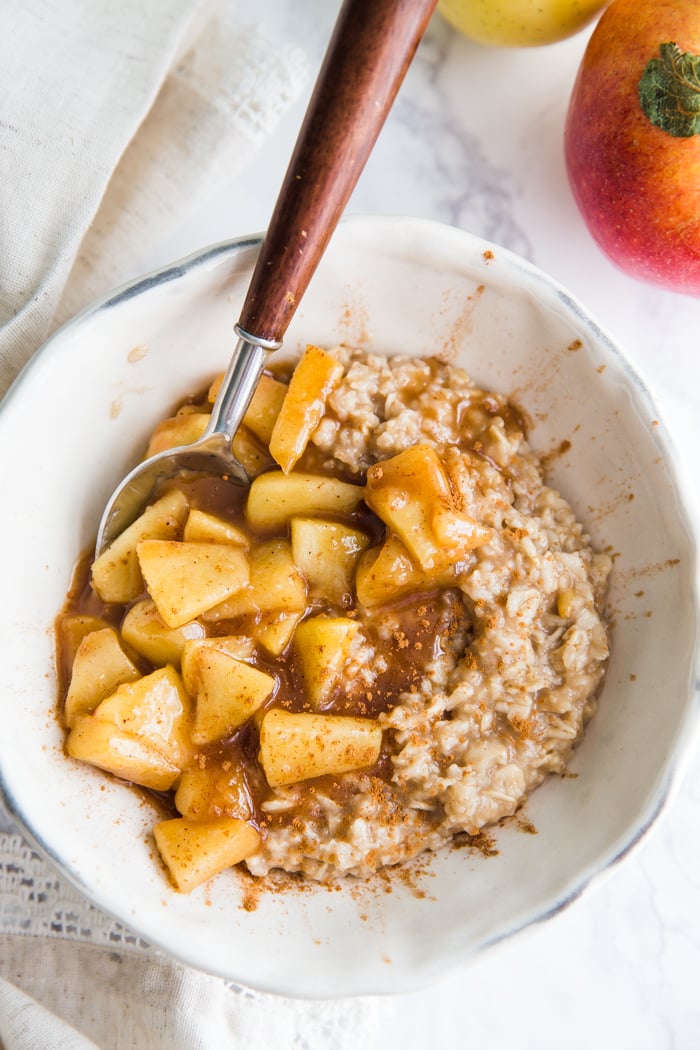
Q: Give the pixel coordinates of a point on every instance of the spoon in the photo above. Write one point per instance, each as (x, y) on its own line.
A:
(370, 50)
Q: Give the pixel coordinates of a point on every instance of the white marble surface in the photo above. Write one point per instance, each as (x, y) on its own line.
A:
(475, 139)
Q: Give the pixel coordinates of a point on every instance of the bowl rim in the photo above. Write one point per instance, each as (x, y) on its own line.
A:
(689, 728)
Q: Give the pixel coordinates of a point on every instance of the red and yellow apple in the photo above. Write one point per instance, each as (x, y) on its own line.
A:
(632, 139)
(519, 23)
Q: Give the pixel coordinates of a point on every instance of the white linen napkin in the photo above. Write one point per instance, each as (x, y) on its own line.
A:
(140, 1002)
(114, 118)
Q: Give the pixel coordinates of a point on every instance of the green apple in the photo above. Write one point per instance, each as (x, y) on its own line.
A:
(519, 23)
(632, 139)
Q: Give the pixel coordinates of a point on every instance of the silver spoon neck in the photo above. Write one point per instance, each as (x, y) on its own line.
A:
(239, 383)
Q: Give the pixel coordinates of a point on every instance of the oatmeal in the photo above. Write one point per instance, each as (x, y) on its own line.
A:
(389, 641)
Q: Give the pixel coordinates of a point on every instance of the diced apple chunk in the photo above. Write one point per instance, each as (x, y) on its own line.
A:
(202, 527)
(227, 692)
(315, 377)
(143, 629)
(251, 453)
(240, 646)
(274, 631)
(276, 497)
(186, 579)
(116, 575)
(211, 792)
(411, 494)
(386, 573)
(327, 552)
(322, 645)
(264, 407)
(276, 585)
(296, 747)
(130, 757)
(71, 631)
(195, 851)
(182, 429)
(157, 710)
(100, 665)
(566, 602)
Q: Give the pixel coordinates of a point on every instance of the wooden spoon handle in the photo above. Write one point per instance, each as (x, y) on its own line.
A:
(370, 50)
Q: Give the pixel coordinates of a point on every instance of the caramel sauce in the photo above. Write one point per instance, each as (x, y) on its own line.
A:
(404, 637)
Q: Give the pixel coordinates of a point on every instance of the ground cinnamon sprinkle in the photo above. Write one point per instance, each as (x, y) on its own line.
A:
(521, 725)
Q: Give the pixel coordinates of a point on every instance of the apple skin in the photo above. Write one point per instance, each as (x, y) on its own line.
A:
(637, 186)
(519, 23)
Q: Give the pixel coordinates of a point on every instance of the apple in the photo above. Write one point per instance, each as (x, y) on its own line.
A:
(632, 139)
(519, 23)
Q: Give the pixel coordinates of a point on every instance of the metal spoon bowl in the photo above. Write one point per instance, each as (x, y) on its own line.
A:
(212, 453)
(371, 48)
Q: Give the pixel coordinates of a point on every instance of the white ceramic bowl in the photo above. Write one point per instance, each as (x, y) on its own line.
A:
(75, 422)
